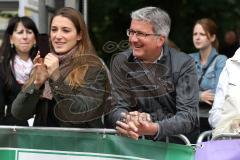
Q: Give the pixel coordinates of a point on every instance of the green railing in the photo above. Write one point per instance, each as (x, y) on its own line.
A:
(35, 143)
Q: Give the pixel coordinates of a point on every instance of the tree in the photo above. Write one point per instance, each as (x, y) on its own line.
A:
(109, 20)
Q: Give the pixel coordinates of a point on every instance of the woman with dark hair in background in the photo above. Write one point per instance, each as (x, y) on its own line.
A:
(17, 52)
(69, 86)
(209, 65)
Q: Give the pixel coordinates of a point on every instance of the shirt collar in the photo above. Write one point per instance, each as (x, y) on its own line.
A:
(159, 57)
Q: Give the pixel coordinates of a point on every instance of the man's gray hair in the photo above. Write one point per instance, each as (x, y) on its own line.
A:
(157, 17)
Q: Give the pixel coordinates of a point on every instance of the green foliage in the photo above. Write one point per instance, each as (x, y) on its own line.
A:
(7, 14)
(109, 19)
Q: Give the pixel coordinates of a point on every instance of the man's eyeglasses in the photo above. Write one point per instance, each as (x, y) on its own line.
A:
(139, 34)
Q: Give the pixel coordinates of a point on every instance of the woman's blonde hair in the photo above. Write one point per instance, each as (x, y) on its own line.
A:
(85, 47)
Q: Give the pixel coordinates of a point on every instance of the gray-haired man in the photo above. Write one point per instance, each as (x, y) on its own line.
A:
(156, 86)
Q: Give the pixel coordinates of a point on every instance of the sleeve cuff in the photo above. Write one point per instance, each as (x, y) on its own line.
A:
(200, 93)
(33, 90)
(155, 137)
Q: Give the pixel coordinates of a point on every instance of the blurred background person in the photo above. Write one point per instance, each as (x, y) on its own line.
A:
(231, 44)
(209, 65)
(171, 44)
(17, 52)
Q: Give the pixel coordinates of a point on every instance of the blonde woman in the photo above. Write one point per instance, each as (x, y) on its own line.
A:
(69, 85)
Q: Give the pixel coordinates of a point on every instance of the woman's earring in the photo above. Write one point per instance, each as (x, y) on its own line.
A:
(34, 45)
(12, 45)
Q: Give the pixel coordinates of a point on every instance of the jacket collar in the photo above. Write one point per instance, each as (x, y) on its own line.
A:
(236, 57)
(210, 57)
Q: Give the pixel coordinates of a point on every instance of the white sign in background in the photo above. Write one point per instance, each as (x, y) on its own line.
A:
(63, 155)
